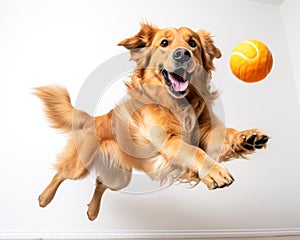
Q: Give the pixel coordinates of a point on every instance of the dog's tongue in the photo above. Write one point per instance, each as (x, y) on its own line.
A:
(178, 86)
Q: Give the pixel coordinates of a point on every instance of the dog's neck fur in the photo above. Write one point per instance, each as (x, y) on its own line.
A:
(186, 110)
(199, 91)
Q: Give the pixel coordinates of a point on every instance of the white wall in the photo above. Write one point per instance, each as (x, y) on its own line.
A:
(62, 42)
(291, 20)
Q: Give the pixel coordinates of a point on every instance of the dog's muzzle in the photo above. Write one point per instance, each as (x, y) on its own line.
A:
(177, 81)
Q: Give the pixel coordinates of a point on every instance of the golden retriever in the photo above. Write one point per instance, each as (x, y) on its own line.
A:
(165, 128)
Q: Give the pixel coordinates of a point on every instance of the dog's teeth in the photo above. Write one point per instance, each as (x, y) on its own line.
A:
(184, 76)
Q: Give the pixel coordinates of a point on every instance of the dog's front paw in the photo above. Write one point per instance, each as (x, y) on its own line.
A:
(250, 140)
(218, 177)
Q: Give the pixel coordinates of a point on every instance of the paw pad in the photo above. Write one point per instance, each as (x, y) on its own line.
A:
(255, 141)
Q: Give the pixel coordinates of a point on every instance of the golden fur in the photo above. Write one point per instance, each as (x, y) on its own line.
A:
(162, 129)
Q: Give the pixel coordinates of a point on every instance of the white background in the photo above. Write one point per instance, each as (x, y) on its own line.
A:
(43, 42)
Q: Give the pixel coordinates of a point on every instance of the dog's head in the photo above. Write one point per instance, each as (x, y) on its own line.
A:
(173, 56)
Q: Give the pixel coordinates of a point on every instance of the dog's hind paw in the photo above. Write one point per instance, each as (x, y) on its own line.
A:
(43, 201)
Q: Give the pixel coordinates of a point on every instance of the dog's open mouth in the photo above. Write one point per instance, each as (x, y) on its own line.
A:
(178, 81)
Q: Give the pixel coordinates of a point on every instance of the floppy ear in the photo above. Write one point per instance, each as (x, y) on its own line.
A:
(210, 51)
(138, 45)
(142, 39)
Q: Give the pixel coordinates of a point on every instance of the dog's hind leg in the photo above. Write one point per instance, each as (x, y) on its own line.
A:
(69, 166)
(48, 194)
(94, 205)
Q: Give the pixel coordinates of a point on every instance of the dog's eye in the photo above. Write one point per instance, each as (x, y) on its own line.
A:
(164, 43)
(192, 43)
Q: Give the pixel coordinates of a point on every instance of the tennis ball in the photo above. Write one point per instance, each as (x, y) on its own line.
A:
(251, 61)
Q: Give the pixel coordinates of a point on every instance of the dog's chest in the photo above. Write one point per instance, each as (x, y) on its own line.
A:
(176, 115)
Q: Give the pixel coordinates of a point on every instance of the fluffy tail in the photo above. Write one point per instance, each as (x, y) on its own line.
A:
(59, 111)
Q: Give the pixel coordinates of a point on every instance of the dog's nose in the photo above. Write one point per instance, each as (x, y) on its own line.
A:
(181, 55)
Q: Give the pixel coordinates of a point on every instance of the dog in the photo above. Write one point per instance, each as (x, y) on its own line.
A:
(165, 128)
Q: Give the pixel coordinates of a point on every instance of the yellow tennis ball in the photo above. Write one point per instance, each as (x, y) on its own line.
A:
(251, 61)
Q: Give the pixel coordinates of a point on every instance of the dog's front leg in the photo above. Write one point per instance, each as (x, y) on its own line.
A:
(186, 156)
(237, 144)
